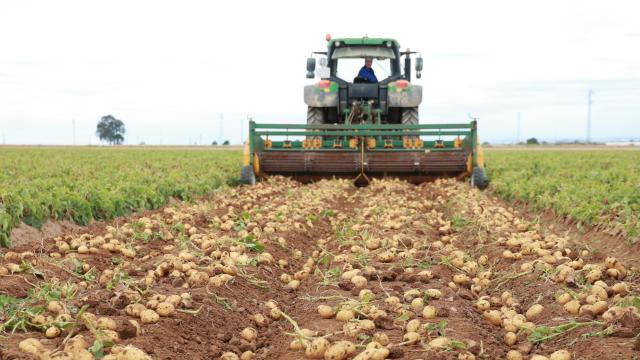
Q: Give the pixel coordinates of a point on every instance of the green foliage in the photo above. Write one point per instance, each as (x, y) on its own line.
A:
(545, 333)
(251, 243)
(111, 130)
(98, 348)
(532, 141)
(83, 184)
(595, 187)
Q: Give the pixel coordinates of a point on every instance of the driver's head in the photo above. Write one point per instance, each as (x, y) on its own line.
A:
(368, 61)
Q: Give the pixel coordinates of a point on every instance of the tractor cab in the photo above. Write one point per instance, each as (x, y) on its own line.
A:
(341, 90)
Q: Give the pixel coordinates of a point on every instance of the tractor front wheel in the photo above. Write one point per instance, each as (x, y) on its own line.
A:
(479, 179)
(247, 177)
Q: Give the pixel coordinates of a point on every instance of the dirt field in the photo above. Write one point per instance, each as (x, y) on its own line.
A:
(325, 270)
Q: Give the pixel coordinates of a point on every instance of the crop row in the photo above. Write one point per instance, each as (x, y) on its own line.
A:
(37, 184)
(595, 187)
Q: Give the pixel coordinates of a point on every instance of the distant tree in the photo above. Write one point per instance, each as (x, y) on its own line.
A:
(111, 130)
(226, 142)
(214, 143)
(532, 141)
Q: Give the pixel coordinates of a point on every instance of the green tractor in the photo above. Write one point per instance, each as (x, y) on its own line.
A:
(363, 123)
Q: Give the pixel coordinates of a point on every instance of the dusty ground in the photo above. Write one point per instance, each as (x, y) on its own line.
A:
(436, 271)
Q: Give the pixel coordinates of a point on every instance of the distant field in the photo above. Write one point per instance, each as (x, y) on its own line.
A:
(81, 184)
(597, 187)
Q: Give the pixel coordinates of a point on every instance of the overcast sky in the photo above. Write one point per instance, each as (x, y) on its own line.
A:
(168, 69)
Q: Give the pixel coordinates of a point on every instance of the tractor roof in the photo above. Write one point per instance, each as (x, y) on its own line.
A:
(365, 41)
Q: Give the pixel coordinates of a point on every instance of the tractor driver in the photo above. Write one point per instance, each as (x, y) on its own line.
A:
(367, 72)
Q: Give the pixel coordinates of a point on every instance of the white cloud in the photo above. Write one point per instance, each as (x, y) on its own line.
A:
(169, 68)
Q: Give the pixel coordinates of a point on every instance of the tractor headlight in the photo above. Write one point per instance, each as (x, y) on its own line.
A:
(388, 43)
(337, 43)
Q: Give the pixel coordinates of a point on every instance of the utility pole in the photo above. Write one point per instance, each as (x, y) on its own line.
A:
(589, 102)
(73, 124)
(220, 141)
(518, 127)
(242, 128)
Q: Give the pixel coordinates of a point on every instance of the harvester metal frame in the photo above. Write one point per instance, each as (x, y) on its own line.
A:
(366, 140)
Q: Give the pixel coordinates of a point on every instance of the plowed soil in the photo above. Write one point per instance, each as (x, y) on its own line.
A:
(434, 271)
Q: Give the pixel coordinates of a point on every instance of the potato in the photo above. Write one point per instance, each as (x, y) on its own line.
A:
(76, 344)
(173, 300)
(293, 284)
(247, 355)
(165, 309)
(134, 309)
(149, 316)
(600, 307)
(440, 342)
(534, 311)
(433, 293)
(260, 320)
(220, 280)
(599, 292)
(152, 304)
(298, 344)
(620, 288)
(344, 315)
(55, 307)
(429, 312)
(381, 338)
(31, 346)
(538, 357)
(411, 338)
(366, 355)
(132, 353)
(493, 316)
(249, 334)
(275, 313)
(563, 298)
(326, 312)
(359, 281)
(572, 307)
(317, 348)
(412, 326)
(560, 355)
(339, 350)
(461, 279)
(417, 304)
(108, 335)
(514, 355)
(466, 356)
(105, 323)
(52, 332)
(483, 305)
(348, 275)
(510, 338)
(229, 356)
(366, 325)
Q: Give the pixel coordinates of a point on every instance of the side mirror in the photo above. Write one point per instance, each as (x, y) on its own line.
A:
(311, 67)
(419, 64)
(418, 67)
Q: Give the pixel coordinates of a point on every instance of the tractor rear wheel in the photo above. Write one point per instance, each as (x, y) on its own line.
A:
(479, 179)
(247, 177)
(314, 116)
(410, 116)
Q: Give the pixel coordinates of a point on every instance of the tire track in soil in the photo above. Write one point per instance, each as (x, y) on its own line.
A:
(402, 239)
